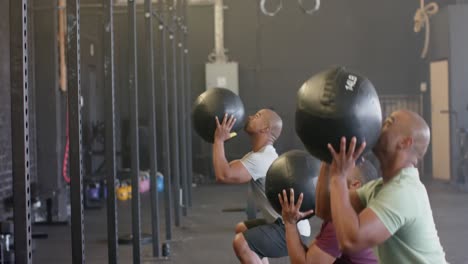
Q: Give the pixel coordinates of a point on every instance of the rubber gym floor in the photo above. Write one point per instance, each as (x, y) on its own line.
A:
(206, 233)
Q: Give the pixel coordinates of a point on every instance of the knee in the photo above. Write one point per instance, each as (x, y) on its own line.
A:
(240, 227)
(240, 244)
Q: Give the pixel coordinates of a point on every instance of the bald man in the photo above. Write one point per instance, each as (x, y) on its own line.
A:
(257, 239)
(392, 214)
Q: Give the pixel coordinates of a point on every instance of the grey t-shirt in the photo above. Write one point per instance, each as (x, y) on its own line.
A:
(257, 164)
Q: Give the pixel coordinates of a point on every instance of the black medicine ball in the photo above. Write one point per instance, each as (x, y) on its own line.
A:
(333, 104)
(216, 102)
(294, 169)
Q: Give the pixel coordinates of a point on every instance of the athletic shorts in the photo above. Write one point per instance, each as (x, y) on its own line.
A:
(267, 240)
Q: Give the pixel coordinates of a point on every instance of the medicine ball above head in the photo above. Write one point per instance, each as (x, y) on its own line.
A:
(295, 169)
(336, 103)
(216, 102)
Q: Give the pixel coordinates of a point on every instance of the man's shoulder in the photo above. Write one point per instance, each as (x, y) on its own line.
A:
(266, 154)
(406, 182)
(407, 177)
(372, 184)
(267, 149)
(257, 163)
(365, 191)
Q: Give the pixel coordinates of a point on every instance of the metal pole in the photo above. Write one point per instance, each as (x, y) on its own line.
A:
(153, 142)
(135, 158)
(74, 104)
(20, 129)
(165, 123)
(183, 106)
(174, 121)
(109, 83)
(188, 104)
(219, 52)
(189, 130)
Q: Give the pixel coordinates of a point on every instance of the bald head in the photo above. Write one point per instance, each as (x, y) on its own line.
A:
(414, 126)
(274, 122)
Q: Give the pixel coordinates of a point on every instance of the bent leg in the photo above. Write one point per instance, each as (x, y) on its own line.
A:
(267, 241)
(243, 251)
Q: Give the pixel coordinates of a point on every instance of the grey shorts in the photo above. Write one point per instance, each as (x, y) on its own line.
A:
(267, 240)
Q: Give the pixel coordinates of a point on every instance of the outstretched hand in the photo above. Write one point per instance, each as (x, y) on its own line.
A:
(344, 161)
(223, 129)
(290, 211)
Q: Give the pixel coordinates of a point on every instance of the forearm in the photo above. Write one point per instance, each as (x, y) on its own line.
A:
(322, 195)
(220, 163)
(296, 252)
(345, 219)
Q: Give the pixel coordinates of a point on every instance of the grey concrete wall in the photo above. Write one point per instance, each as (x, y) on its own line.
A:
(458, 65)
(277, 54)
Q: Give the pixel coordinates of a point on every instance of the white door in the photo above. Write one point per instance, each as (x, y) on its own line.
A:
(440, 131)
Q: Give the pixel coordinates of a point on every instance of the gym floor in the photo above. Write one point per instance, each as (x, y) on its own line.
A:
(206, 234)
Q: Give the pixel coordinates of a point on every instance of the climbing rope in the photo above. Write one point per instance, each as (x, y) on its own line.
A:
(421, 19)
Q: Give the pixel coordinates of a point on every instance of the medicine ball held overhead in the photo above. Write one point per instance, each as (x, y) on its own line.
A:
(333, 104)
(216, 102)
(294, 169)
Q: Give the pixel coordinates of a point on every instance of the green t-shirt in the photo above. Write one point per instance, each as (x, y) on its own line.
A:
(403, 207)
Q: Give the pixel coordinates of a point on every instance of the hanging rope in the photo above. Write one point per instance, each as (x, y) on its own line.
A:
(421, 19)
(268, 13)
(312, 10)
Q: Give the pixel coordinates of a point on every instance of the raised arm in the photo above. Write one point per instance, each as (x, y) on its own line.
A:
(354, 231)
(291, 215)
(234, 172)
(322, 194)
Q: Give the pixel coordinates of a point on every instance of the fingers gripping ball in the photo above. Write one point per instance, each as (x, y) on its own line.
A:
(294, 169)
(216, 102)
(333, 104)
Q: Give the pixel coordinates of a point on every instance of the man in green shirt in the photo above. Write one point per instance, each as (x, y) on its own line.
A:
(392, 214)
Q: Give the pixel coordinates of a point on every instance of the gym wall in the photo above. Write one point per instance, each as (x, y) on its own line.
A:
(449, 39)
(277, 54)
